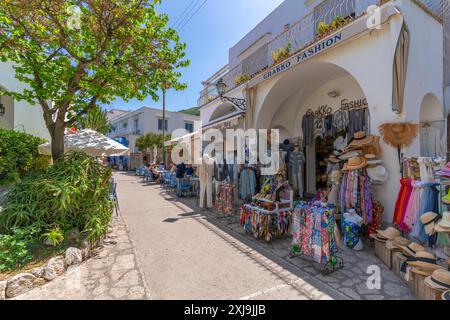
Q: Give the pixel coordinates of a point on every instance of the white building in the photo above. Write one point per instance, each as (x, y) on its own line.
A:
(19, 115)
(352, 62)
(133, 124)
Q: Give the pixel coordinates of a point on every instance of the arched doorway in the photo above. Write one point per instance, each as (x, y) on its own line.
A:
(7, 120)
(432, 127)
(322, 88)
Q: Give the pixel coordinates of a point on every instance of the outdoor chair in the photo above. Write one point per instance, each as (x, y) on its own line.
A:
(184, 187)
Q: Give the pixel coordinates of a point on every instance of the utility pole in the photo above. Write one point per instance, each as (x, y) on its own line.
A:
(164, 127)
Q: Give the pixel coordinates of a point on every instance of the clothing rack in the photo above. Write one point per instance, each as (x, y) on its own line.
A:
(304, 246)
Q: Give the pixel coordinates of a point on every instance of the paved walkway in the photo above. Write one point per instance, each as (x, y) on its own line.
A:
(187, 253)
(112, 273)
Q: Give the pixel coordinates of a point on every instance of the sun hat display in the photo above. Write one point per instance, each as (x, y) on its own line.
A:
(378, 174)
(422, 272)
(399, 135)
(370, 156)
(389, 234)
(425, 261)
(446, 295)
(374, 162)
(428, 220)
(333, 159)
(444, 224)
(440, 279)
(412, 249)
(361, 139)
(356, 163)
(350, 154)
(397, 243)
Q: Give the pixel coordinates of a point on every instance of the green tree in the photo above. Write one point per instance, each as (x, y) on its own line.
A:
(151, 140)
(76, 54)
(96, 119)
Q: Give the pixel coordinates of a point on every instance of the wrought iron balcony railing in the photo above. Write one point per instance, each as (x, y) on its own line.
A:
(328, 15)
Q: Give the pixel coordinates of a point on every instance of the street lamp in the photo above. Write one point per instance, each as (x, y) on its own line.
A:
(2, 109)
(238, 103)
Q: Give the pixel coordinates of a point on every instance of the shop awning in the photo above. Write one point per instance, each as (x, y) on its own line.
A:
(176, 141)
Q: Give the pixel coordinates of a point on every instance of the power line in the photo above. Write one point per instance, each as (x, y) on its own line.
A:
(185, 13)
(190, 18)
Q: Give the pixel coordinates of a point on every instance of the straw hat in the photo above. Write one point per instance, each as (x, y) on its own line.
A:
(422, 272)
(388, 234)
(333, 159)
(350, 154)
(446, 295)
(374, 162)
(370, 156)
(399, 134)
(356, 163)
(428, 220)
(412, 249)
(397, 243)
(361, 139)
(425, 261)
(378, 174)
(440, 279)
(444, 224)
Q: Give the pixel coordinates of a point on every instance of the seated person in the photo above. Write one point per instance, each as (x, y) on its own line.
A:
(181, 170)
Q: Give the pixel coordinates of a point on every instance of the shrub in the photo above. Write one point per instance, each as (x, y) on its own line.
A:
(323, 28)
(240, 79)
(73, 193)
(19, 155)
(282, 53)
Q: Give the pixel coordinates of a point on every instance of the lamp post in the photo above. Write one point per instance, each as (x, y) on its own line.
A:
(238, 103)
(164, 127)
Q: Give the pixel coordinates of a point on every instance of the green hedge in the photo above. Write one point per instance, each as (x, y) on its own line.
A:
(73, 193)
(19, 155)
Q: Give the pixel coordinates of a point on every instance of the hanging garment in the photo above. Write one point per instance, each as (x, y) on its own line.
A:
(377, 218)
(296, 164)
(225, 199)
(400, 201)
(412, 209)
(342, 192)
(357, 121)
(426, 169)
(328, 126)
(308, 129)
(220, 171)
(429, 202)
(430, 142)
(206, 173)
(341, 121)
(247, 183)
(288, 148)
(404, 206)
(340, 143)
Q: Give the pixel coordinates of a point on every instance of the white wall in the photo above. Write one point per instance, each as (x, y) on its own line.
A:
(26, 117)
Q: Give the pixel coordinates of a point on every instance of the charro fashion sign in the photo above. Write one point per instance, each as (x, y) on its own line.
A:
(304, 55)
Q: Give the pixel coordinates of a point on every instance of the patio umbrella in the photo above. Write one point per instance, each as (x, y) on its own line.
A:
(91, 142)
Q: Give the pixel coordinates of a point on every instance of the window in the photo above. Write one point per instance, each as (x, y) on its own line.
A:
(136, 126)
(160, 124)
(189, 126)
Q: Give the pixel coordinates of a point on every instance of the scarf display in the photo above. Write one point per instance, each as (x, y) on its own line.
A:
(356, 193)
(263, 225)
(377, 217)
(315, 232)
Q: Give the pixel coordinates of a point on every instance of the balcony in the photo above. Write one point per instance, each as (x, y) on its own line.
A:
(333, 13)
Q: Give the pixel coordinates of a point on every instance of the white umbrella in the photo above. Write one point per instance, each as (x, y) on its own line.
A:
(91, 142)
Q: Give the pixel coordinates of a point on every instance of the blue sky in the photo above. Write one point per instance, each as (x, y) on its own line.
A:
(216, 27)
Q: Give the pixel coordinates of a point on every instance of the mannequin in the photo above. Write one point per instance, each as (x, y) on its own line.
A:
(206, 174)
(352, 226)
(296, 162)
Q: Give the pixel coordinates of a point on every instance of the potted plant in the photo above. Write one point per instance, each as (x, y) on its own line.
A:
(240, 79)
(323, 28)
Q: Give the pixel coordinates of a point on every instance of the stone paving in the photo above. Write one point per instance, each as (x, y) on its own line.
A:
(351, 281)
(111, 273)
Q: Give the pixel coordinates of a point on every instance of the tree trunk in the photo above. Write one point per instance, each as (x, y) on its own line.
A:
(57, 140)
